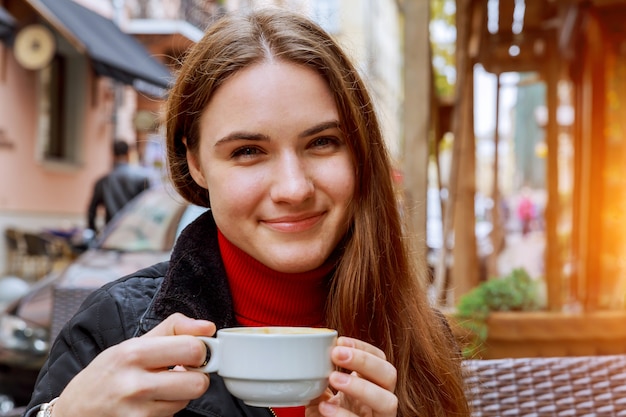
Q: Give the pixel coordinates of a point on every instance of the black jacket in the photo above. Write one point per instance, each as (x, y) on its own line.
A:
(193, 282)
(115, 190)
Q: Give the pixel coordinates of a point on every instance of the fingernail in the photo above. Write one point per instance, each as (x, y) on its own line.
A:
(327, 409)
(339, 378)
(343, 353)
(348, 342)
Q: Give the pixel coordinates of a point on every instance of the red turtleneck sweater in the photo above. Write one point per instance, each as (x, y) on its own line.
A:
(264, 297)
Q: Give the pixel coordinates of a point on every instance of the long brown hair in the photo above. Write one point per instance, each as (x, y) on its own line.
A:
(376, 293)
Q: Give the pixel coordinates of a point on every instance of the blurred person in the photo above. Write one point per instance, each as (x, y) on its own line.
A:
(526, 211)
(115, 189)
(271, 127)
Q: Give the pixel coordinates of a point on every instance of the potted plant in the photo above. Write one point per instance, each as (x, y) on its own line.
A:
(514, 292)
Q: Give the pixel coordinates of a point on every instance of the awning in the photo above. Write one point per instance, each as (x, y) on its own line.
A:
(114, 53)
(7, 23)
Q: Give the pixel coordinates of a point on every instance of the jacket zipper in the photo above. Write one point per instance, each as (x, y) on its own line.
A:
(272, 411)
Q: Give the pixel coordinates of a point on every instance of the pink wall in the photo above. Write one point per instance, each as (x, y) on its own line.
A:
(36, 195)
(28, 186)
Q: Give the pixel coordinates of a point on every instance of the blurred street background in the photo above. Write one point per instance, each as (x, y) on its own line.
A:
(505, 119)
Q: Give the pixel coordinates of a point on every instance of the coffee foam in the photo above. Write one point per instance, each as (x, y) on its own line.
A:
(279, 330)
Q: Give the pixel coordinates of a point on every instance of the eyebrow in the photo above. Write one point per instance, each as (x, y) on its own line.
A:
(242, 135)
(333, 124)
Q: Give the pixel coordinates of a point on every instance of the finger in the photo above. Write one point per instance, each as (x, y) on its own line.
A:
(368, 365)
(366, 393)
(333, 407)
(178, 324)
(179, 385)
(162, 386)
(328, 399)
(361, 345)
(158, 353)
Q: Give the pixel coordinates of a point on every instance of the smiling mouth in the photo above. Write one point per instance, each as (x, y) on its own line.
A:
(293, 224)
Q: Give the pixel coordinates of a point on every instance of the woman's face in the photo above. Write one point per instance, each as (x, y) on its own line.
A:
(277, 166)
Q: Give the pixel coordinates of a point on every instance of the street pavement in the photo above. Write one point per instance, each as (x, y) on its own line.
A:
(523, 251)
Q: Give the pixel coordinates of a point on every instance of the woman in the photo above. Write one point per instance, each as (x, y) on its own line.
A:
(270, 126)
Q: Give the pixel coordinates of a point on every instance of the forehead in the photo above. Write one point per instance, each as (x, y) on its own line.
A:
(270, 93)
(271, 78)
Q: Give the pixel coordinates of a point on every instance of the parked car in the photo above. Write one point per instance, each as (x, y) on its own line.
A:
(139, 236)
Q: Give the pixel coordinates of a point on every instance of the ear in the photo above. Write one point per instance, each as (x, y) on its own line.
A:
(194, 167)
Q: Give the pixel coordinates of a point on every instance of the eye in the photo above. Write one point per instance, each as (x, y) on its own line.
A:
(325, 142)
(245, 151)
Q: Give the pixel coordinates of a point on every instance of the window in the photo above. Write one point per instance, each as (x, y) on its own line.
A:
(61, 109)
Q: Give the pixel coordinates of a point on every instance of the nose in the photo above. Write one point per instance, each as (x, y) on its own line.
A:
(291, 181)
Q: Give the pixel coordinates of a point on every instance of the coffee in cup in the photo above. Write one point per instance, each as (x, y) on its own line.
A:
(272, 366)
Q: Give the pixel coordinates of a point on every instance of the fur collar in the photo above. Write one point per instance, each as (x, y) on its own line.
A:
(195, 283)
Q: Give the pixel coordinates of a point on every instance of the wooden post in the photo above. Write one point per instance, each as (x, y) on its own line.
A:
(417, 101)
(458, 218)
(496, 231)
(553, 273)
(464, 274)
(593, 200)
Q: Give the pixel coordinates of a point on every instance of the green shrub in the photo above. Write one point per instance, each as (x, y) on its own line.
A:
(514, 292)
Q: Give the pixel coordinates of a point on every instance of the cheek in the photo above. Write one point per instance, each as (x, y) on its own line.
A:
(342, 182)
(233, 194)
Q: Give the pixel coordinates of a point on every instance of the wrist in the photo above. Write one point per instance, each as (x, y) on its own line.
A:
(46, 408)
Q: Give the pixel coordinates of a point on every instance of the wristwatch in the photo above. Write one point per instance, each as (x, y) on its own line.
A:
(46, 408)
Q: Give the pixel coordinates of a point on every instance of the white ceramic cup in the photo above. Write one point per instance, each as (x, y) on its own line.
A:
(272, 366)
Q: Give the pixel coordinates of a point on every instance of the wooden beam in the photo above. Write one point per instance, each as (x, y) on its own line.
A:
(495, 53)
(534, 14)
(478, 23)
(568, 31)
(604, 3)
(505, 16)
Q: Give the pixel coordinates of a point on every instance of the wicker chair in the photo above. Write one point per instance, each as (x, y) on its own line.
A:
(42, 251)
(15, 251)
(584, 386)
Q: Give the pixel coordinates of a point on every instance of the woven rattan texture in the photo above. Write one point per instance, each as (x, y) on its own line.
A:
(587, 386)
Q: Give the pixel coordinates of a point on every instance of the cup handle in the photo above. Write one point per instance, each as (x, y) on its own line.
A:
(213, 346)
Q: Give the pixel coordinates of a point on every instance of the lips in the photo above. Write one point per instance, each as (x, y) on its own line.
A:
(293, 224)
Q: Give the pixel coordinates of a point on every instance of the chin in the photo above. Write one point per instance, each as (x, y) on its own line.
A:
(295, 269)
(294, 257)
(291, 265)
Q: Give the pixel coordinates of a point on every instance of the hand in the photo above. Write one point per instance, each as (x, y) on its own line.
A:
(368, 391)
(135, 378)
